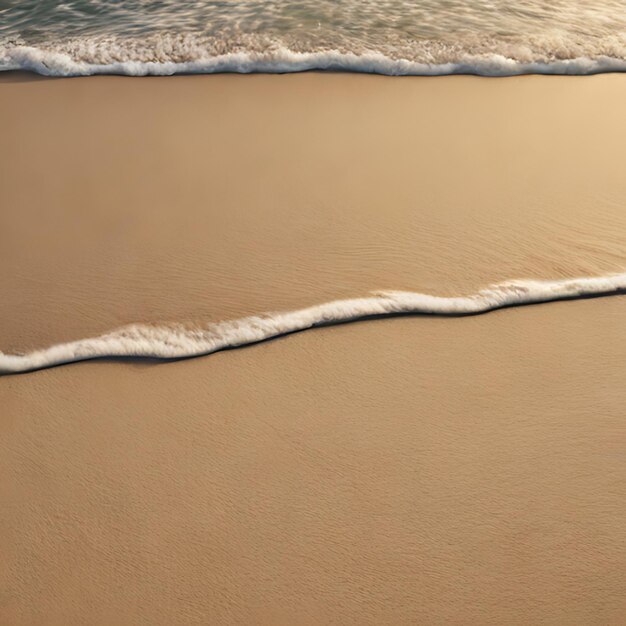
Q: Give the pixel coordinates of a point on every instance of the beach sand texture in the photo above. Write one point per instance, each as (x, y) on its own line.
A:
(408, 470)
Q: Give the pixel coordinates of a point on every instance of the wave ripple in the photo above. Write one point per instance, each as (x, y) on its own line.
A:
(174, 341)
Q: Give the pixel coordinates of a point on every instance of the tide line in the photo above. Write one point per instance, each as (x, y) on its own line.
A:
(175, 341)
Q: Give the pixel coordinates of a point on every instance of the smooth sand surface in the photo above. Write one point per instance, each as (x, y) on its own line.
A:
(213, 197)
(406, 470)
(433, 471)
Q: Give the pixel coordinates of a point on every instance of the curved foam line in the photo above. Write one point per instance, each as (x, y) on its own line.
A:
(283, 60)
(176, 341)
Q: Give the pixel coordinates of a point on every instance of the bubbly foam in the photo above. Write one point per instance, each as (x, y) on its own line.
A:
(283, 60)
(421, 37)
(174, 341)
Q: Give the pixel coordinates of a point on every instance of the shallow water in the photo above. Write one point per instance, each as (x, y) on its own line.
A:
(80, 37)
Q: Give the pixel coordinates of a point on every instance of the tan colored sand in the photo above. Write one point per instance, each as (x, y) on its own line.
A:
(211, 197)
(408, 470)
(413, 470)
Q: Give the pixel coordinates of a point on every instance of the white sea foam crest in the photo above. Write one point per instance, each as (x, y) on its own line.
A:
(174, 341)
(284, 60)
(166, 54)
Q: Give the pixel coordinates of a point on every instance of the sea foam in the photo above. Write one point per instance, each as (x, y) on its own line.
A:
(174, 341)
(283, 60)
(395, 37)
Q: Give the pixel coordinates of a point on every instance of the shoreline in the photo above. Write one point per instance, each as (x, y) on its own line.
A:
(8, 74)
(286, 61)
(175, 342)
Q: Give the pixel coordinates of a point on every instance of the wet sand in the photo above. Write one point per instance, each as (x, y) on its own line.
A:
(406, 470)
(210, 198)
(464, 471)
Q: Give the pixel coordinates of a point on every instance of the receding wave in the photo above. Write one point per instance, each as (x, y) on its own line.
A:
(175, 341)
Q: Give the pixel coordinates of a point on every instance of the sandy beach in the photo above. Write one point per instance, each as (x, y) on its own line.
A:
(195, 198)
(395, 471)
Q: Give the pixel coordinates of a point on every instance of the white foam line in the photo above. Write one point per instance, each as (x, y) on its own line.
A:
(283, 60)
(175, 341)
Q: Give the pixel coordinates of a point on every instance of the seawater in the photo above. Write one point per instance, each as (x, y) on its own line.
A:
(140, 37)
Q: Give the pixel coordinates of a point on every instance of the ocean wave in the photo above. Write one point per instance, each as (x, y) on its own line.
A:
(283, 60)
(174, 341)
(423, 37)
